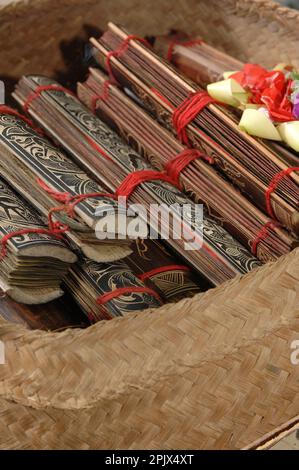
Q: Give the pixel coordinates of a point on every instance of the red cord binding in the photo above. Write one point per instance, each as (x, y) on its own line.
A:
(68, 208)
(56, 231)
(162, 269)
(263, 234)
(69, 202)
(177, 164)
(174, 43)
(187, 111)
(134, 179)
(82, 197)
(125, 189)
(103, 299)
(56, 225)
(119, 51)
(38, 90)
(273, 185)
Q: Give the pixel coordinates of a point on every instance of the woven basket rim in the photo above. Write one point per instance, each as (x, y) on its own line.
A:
(264, 8)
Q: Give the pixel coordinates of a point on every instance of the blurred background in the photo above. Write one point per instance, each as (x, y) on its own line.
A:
(288, 3)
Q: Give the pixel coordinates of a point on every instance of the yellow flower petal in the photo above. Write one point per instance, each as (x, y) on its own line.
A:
(256, 123)
(289, 132)
(228, 91)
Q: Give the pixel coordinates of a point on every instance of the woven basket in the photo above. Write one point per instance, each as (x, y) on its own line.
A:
(214, 371)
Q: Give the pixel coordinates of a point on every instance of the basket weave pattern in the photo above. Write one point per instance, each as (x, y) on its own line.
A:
(209, 372)
(260, 31)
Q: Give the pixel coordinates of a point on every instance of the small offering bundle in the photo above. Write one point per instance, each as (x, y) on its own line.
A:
(269, 99)
(33, 262)
(100, 151)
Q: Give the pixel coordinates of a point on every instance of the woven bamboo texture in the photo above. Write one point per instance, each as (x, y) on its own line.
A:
(209, 372)
(31, 31)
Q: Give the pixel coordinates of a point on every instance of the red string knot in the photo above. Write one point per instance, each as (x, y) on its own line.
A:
(273, 185)
(263, 234)
(176, 165)
(187, 111)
